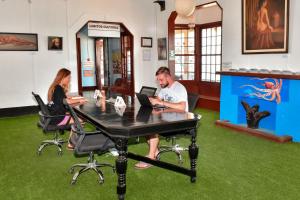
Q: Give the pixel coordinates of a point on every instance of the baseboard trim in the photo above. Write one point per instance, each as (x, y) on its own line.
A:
(17, 111)
(254, 132)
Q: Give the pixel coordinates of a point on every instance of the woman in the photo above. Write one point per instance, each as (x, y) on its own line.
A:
(56, 94)
(264, 30)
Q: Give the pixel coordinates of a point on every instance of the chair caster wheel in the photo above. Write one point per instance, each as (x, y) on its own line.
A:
(180, 162)
(121, 196)
(193, 179)
(137, 140)
(73, 182)
(101, 182)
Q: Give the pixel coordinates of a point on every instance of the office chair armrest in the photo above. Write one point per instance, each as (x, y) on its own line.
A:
(50, 116)
(78, 132)
(93, 132)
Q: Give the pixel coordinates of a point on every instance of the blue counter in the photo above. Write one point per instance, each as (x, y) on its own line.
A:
(278, 94)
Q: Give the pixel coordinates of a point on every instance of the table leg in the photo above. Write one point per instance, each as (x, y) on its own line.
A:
(121, 166)
(193, 153)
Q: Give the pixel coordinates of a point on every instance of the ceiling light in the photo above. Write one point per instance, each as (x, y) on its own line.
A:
(185, 8)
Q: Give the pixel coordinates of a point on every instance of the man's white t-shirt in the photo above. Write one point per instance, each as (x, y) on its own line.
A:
(174, 94)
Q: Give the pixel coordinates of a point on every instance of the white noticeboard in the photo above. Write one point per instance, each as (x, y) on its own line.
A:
(103, 30)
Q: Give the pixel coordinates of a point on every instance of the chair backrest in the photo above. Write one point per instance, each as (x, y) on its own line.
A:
(149, 91)
(192, 100)
(77, 123)
(43, 107)
(85, 142)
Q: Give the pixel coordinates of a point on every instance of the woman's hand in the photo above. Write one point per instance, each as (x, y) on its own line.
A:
(83, 100)
(76, 100)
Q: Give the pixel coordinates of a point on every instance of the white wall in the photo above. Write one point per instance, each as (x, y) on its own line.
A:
(232, 41)
(23, 72)
(232, 37)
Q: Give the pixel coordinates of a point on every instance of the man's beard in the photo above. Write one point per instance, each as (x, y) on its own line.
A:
(164, 86)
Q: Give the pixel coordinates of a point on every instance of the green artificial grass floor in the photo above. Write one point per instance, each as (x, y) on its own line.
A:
(230, 166)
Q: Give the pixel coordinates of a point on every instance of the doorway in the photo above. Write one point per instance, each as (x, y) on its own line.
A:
(196, 44)
(105, 61)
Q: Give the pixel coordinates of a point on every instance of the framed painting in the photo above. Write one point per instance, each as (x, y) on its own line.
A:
(162, 48)
(55, 43)
(146, 42)
(265, 26)
(18, 42)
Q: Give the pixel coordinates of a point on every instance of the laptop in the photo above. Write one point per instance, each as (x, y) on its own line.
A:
(144, 114)
(144, 101)
(149, 91)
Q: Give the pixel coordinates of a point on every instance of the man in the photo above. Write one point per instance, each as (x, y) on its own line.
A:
(172, 95)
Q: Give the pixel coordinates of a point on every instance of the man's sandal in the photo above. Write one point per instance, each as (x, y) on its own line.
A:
(142, 165)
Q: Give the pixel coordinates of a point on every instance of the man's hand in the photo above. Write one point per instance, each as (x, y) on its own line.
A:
(155, 101)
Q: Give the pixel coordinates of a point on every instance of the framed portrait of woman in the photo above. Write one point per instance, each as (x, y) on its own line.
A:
(265, 26)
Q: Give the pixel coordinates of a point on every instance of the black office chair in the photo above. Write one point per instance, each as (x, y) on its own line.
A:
(88, 143)
(44, 122)
(176, 148)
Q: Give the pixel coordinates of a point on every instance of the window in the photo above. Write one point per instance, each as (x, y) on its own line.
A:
(128, 64)
(126, 59)
(185, 54)
(211, 39)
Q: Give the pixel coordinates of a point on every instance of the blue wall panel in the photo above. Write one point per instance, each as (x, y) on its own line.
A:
(284, 106)
(228, 112)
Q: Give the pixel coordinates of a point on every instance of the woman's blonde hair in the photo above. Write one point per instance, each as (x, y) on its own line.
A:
(61, 74)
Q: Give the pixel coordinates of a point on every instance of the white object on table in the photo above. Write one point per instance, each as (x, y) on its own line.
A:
(120, 105)
(120, 110)
(97, 94)
(120, 102)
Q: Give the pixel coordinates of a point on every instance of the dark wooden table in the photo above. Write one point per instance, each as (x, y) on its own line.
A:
(140, 121)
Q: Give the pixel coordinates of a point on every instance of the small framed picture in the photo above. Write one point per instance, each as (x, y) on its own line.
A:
(55, 43)
(146, 42)
(162, 48)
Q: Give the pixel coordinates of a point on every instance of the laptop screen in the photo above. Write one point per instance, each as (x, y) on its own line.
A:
(149, 91)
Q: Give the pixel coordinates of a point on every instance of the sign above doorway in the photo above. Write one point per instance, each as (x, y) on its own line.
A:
(98, 29)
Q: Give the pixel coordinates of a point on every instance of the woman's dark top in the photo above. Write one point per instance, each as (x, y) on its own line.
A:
(56, 106)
